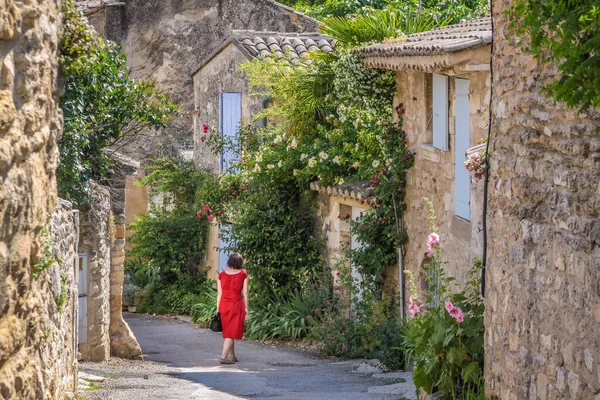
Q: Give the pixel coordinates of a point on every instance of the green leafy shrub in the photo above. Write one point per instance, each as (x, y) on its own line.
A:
(289, 316)
(444, 338)
(101, 104)
(169, 244)
(204, 311)
(178, 297)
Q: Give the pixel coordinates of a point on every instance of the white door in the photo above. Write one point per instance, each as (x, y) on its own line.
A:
(231, 118)
(462, 179)
(82, 285)
(223, 254)
(356, 244)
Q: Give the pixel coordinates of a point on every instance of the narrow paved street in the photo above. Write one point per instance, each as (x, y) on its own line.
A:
(181, 362)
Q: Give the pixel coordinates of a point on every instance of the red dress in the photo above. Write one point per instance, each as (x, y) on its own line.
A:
(232, 307)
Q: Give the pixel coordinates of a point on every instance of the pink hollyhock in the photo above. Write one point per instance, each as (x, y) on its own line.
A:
(414, 307)
(455, 312)
(211, 219)
(204, 128)
(433, 240)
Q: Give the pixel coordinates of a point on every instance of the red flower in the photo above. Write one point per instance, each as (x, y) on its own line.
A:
(206, 208)
(202, 140)
(199, 214)
(211, 219)
(204, 128)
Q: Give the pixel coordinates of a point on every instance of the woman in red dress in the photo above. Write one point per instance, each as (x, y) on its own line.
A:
(232, 303)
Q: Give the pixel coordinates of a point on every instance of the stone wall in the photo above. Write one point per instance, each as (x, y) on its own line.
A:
(166, 39)
(433, 174)
(34, 358)
(543, 278)
(94, 241)
(219, 75)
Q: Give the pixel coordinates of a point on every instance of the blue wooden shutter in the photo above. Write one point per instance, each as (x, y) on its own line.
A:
(440, 112)
(462, 183)
(231, 117)
(224, 230)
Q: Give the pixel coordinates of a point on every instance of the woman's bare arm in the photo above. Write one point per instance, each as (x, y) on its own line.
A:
(219, 293)
(245, 294)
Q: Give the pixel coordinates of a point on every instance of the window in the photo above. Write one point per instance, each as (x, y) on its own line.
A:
(231, 117)
(440, 112)
(462, 179)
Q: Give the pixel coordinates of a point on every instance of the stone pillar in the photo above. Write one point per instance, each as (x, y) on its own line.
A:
(542, 320)
(122, 340)
(95, 242)
(35, 354)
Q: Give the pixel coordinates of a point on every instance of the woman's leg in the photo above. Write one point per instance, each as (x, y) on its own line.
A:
(232, 350)
(227, 346)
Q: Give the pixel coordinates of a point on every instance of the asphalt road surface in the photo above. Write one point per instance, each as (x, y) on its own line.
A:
(181, 362)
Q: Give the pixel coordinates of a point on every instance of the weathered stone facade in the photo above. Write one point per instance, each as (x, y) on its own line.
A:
(36, 338)
(94, 242)
(433, 173)
(166, 39)
(543, 278)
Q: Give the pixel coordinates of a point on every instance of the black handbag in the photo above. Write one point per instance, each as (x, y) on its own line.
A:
(216, 325)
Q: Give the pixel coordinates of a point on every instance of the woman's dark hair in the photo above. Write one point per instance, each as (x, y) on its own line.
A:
(235, 261)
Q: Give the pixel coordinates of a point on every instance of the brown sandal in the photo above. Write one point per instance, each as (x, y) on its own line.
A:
(226, 361)
(234, 359)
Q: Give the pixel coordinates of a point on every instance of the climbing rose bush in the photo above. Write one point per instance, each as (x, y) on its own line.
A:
(444, 334)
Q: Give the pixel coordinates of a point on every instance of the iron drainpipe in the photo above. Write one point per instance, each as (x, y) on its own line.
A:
(487, 154)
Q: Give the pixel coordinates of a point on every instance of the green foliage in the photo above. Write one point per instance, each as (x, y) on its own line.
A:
(178, 297)
(566, 32)
(372, 333)
(378, 25)
(64, 294)
(101, 104)
(275, 231)
(170, 244)
(445, 341)
(46, 258)
(289, 316)
(456, 10)
(204, 311)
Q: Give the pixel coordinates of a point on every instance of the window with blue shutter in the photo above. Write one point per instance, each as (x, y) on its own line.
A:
(462, 181)
(231, 118)
(440, 112)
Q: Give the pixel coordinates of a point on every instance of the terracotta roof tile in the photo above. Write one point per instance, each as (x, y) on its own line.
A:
(257, 44)
(448, 39)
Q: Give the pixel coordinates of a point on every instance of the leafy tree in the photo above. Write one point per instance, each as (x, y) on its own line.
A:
(566, 32)
(101, 104)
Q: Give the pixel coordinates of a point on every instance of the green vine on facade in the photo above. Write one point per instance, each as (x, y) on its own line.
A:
(566, 32)
(46, 258)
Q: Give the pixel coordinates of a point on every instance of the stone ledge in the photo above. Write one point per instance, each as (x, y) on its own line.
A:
(429, 152)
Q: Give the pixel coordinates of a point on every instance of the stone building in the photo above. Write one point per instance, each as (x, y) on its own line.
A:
(543, 277)
(223, 100)
(166, 39)
(38, 237)
(443, 85)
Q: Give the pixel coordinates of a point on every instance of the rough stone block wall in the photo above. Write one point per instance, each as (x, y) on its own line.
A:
(543, 278)
(34, 358)
(94, 241)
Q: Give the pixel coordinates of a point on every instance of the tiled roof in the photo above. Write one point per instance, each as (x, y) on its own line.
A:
(257, 44)
(353, 190)
(449, 39)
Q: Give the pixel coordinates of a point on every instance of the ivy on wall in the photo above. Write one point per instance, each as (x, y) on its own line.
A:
(566, 32)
